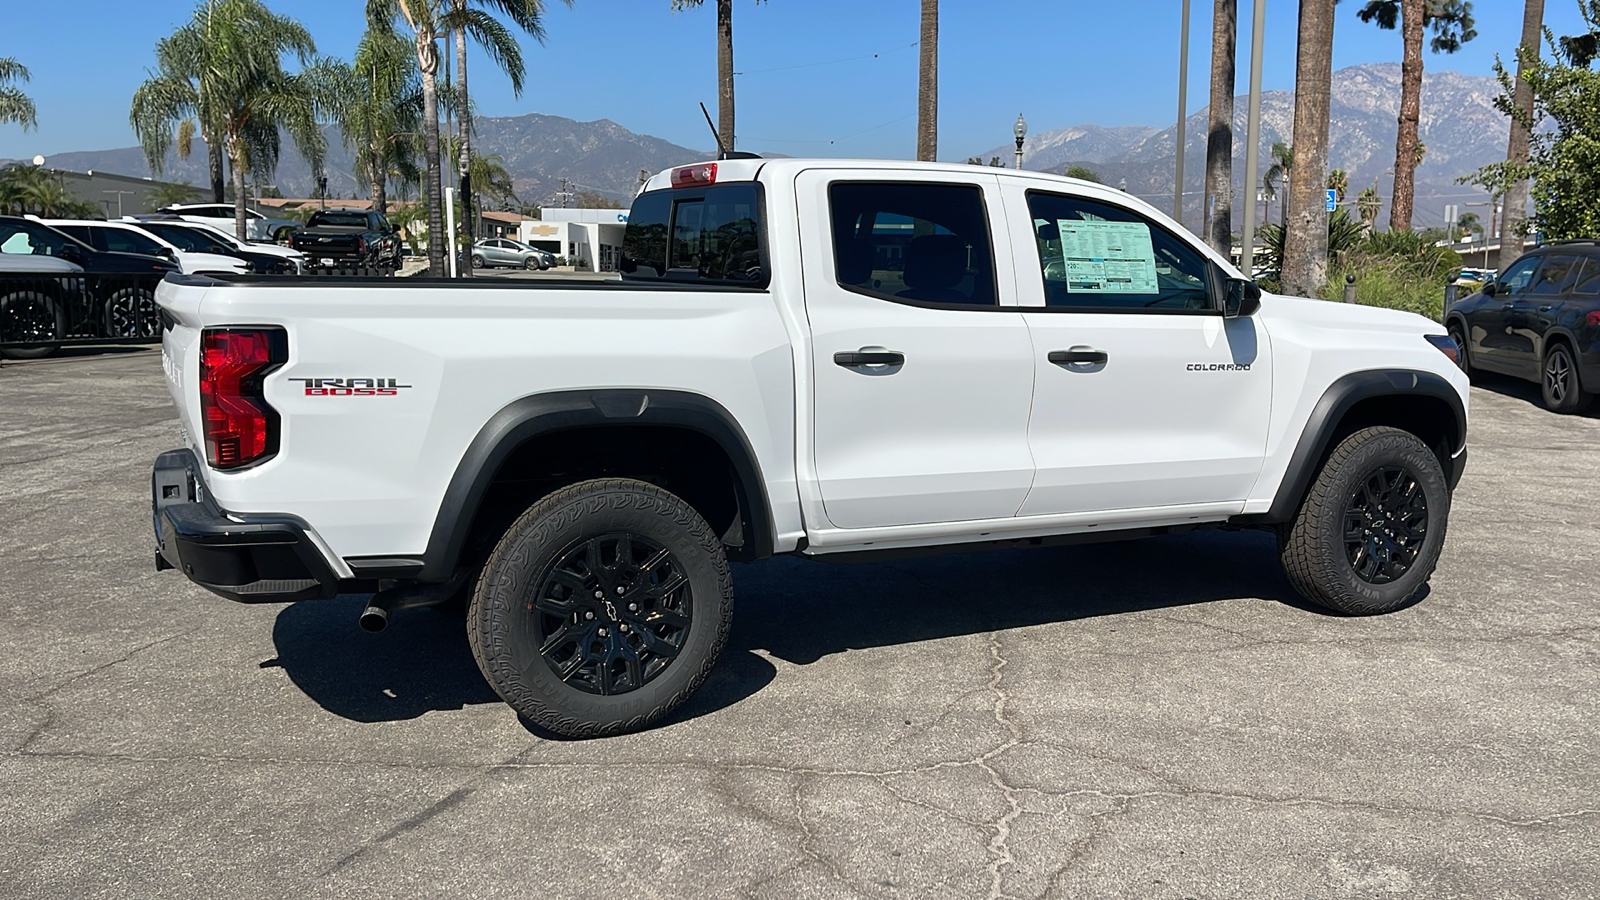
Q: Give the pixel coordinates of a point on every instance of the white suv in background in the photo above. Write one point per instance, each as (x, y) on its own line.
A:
(222, 241)
(121, 237)
(220, 215)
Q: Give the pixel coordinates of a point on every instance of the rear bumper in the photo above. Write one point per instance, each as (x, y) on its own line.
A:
(251, 559)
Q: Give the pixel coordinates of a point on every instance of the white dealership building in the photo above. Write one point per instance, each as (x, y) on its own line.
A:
(593, 236)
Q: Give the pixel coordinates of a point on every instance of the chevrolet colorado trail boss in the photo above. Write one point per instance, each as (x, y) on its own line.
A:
(812, 357)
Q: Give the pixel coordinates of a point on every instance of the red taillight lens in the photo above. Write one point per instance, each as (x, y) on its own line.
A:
(240, 428)
(361, 245)
(1594, 317)
(689, 176)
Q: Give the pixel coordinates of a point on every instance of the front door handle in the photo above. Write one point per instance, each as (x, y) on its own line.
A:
(1507, 307)
(1068, 357)
(851, 359)
(1546, 308)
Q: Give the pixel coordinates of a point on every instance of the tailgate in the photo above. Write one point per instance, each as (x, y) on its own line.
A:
(180, 350)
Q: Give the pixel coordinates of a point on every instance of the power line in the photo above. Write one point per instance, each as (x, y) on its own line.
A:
(831, 62)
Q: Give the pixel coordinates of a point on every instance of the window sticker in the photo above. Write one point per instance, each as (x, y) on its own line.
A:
(1108, 257)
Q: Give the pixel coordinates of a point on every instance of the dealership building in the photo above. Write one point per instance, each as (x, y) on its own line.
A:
(591, 235)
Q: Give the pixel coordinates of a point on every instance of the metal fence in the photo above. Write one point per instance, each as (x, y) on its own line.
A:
(39, 313)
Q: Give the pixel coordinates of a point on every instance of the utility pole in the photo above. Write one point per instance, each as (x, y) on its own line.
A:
(564, 194)
(1183, 111)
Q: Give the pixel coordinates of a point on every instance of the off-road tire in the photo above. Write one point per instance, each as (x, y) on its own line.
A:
(1313, 547)
(30, 304)
(1458, 333)
(1559, 365)
(498, 622)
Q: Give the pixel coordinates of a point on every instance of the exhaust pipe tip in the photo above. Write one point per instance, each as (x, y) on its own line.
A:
(374, 619)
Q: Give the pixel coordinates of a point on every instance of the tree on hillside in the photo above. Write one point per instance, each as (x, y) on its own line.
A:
(1452, 25)
(725, 120)
(1516, 208)
(15, 106)
(1082, 172)
(377, 103)
(224, 70)
(1339, 183)
(1219, 135)
(1564, 129)
(594, 200)
(1282, 156)
(1305, 244)
(928, 84)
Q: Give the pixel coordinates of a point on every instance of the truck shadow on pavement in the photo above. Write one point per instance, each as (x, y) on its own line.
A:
(799, 611)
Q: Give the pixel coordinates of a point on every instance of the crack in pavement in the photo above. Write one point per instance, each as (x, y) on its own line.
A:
(999, 845)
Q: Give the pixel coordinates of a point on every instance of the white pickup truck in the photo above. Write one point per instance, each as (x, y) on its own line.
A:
(816, 357)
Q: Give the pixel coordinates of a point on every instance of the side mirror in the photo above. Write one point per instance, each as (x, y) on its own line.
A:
(1241, 298)
(1490, 289)
(71, 253)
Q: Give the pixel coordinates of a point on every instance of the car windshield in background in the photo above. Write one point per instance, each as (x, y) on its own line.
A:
(339, 220)
(191, 239)
(708, 236)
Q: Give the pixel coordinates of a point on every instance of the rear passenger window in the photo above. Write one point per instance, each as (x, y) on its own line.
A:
(1098, 256)
(1588, 282)
(1557, 274)
(924, 243)
(707, 236)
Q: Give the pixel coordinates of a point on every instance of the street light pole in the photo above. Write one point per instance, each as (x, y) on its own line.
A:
(1021, 131)
(1183, 110)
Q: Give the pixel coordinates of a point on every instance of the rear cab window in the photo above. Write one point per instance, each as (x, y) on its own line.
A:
(913, 242)
(714, 234)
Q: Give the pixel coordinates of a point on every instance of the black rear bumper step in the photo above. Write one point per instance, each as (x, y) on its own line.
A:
(249, 558)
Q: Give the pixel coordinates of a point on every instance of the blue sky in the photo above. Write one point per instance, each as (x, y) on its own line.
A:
(822, 77)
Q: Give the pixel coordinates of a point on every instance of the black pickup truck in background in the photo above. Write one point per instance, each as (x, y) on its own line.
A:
(347, 239)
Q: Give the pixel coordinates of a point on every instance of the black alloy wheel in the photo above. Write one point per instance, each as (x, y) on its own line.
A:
(1386, 523)
(32, 317)
(132, 313)
(612, 613)
(1558, 381)
(1459, 335)
(601, 608)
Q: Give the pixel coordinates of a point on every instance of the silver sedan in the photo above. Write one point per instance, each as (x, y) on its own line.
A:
(506, 252)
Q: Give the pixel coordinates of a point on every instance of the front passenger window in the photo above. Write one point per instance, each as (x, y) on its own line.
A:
(1095, 256)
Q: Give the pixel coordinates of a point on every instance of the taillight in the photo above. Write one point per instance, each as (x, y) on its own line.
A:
(689, 176)
(1446, 345)
(1594, 318)
(240, 428)
(361, 245)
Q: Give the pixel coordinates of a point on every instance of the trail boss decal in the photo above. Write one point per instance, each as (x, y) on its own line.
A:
(351, 387)
(1218, 367)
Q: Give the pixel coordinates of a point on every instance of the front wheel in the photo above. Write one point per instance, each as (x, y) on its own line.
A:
(1369, 531)
(602, 608)
(1559, 386)
(31, 316)
(1458, 333)
(477, 261)
(531, 264)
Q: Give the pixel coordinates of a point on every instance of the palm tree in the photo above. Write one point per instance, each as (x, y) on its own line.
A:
(1305, 256)
(1339, 183)
(422, 18)
(225, 70)
(725, 124)
(502, 47)
(1516, 208)
(27, 189)
(1219, 135)
(1282, 162)
(1367, 205)
(378, 107)
(15, 106)
(928, 84)
(1452, 25)
(166, 193)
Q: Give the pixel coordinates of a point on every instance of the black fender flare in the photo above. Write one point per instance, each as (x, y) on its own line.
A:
(1340, 397)
(539, 414)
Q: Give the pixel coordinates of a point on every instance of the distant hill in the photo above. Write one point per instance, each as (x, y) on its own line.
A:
(1459, 125)
(539, 151)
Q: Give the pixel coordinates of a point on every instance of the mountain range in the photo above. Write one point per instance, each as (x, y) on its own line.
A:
(1459, 125)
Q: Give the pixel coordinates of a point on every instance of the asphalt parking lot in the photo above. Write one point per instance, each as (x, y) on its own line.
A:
(1156, 719)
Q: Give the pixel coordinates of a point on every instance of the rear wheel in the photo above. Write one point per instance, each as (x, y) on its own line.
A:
(31, 316)
(132, 313)
(477, 261)
(602, 608)
(1559, 386)
(1369, 531)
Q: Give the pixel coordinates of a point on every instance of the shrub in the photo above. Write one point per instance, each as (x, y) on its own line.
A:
(1396, 270)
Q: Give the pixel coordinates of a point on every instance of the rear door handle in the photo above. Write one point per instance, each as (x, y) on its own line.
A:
(1546, 308)
(1068, 357)
(851, 359)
